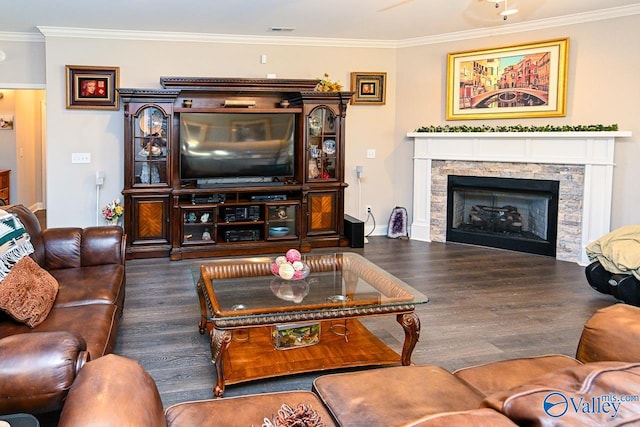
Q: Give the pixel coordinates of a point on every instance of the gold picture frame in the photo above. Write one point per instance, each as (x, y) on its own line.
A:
(92, 88)
(368, 88)
(521, 81)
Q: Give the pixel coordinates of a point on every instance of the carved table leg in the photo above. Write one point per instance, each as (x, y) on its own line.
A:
(202, 325)
(411, 325)
(220, 341)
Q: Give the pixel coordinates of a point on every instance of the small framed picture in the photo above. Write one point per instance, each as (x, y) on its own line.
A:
(92, 87)
(368, 88)
(6, 122)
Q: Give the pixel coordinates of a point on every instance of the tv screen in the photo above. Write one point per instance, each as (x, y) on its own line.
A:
(227, 146)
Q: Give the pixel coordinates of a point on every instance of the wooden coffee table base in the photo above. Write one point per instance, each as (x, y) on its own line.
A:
(256, 358)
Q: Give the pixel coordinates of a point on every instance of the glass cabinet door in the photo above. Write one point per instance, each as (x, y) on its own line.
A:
(198, 226)
(322, 145)
(150, 147)
(282, 221)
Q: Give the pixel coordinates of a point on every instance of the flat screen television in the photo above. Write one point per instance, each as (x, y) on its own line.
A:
(228, 148)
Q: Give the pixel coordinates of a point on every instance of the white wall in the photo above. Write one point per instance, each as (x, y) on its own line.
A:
(602, 89)
(24, 64)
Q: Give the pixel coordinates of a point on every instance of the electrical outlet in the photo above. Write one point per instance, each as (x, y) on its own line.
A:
(368, 209)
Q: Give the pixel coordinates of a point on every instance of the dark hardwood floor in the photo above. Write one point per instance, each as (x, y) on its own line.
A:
(485, 305)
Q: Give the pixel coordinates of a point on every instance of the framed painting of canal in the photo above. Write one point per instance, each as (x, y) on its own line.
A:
(508, 82)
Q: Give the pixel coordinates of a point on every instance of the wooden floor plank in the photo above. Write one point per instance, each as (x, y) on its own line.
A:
(485, 305)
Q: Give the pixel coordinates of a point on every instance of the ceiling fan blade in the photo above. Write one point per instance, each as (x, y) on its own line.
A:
(394, 5)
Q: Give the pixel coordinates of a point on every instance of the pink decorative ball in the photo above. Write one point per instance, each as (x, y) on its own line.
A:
(293, 255)
(275, 268)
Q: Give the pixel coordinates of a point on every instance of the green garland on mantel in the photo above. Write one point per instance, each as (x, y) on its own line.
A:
(519, 128)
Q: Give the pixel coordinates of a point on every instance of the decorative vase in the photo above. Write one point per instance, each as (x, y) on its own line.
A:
(112, 221)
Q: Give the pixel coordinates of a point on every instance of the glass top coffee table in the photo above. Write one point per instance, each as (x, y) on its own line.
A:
(262, 326)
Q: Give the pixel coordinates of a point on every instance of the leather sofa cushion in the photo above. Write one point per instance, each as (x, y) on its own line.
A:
(505, 374)
(611, 333)
(76, 247)
(40, 380)
(575, 396)
(96, 323)
(393, 396)
(113, 391)
(243, 411)
(483, 417)
(90, 285)
(27, 293)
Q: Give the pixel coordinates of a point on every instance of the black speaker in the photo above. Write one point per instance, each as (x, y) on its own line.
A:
(354, 230)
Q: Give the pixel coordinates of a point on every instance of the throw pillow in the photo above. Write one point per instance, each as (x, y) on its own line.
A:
(15, 242)
(27, 293)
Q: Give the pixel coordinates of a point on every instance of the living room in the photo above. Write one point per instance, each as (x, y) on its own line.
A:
(600, 46)
(416, 82)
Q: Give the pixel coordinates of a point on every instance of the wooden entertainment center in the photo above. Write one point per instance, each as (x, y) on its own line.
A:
(227, 166)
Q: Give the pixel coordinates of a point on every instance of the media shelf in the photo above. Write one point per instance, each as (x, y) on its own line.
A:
(222, 226)
(198, 225)
(281, 127)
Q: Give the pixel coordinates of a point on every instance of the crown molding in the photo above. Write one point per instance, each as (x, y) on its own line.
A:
(560, 21)
(10, 86)
(21, 37)
(520, 27)
(212, 38)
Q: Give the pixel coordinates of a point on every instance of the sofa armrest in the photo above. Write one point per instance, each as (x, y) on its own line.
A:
(611, 334)
(37, 370)
(113, 391)
(69, 247)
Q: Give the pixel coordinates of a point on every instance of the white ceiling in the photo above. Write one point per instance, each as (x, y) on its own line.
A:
(381, 20)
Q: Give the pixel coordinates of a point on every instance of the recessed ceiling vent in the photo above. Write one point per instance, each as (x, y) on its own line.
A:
(282, 29)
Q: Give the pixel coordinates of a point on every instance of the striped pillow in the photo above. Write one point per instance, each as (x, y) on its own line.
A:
(15, 242)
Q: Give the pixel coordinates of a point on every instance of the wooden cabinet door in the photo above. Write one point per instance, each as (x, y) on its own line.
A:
(323, 210)
(150, 220)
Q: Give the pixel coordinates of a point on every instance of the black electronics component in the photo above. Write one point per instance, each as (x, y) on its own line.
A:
(354, 230)
(241, 213)
(269, 198)
(213, 198)
(241, 235)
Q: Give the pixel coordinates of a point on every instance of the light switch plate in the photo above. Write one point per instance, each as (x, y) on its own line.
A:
(80, 157)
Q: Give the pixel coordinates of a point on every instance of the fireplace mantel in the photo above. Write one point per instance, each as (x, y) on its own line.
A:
(593, 150)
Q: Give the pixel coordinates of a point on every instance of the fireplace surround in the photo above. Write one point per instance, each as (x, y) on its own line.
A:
(582, 162)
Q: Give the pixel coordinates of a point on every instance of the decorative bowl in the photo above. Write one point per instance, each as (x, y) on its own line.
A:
(290, 290)
(298, 274)
(278, 231)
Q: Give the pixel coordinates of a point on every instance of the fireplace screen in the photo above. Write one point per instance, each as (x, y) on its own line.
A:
(516, 214)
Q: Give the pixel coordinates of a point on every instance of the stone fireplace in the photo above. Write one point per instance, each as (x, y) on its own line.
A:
(580, 162)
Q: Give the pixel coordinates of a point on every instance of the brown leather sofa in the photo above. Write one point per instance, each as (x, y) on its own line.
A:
(38, 365)
(115, 391)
